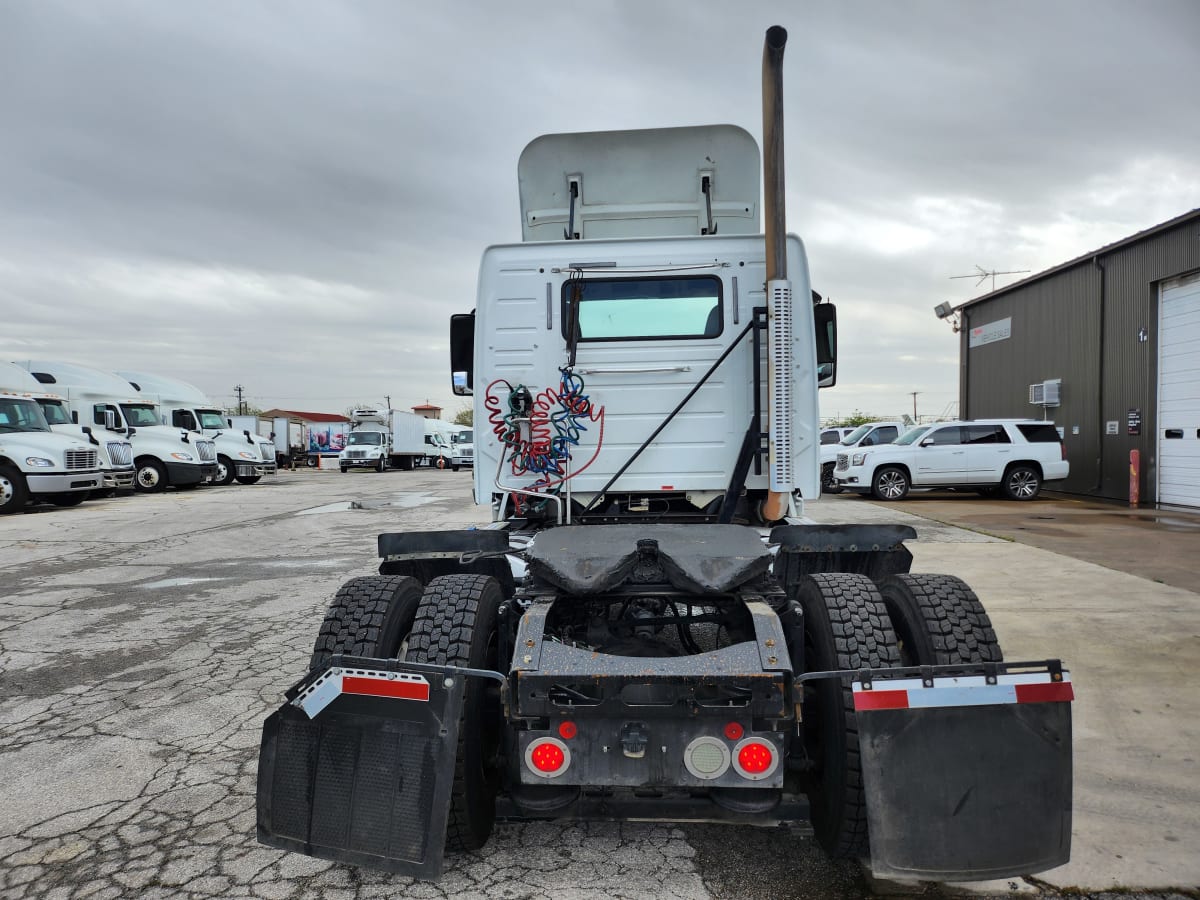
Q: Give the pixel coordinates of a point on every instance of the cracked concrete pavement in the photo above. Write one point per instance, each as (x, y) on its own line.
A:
(144, 639)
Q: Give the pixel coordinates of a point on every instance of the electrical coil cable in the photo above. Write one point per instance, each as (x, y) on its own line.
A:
(540, 432)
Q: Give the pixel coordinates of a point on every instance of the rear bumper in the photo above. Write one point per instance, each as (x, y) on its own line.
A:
(64, 482)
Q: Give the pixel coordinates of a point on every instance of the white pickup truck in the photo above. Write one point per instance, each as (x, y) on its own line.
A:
(1013, 456)
(870, 434)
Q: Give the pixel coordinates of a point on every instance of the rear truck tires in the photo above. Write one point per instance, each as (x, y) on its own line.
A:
(151, 476)
(455, 468)
(14, 493)
(938, 621)
(344, 469)
(846, 626)
(249, 479)
(406, 464)
(368, 616)
(1022, 482)
(456, 625)
(68, 498)
(226, 471)
(890, 483)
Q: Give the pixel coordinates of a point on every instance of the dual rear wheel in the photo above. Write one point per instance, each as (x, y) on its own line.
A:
(853, 623)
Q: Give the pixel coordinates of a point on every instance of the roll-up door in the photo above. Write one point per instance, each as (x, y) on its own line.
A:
(1179, 392)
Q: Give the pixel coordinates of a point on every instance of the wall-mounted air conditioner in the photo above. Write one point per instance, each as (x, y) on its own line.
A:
(1046, 393)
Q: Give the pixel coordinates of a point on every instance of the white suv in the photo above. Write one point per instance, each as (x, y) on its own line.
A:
(1014, 456)
(871, 434)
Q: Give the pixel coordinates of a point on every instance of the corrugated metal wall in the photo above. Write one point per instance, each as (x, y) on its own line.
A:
(1061, 328)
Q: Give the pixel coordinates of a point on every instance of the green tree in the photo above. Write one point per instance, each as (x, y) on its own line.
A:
(464, 416)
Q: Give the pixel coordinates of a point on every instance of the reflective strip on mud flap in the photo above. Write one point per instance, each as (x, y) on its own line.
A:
(964, 690)
(361, 682)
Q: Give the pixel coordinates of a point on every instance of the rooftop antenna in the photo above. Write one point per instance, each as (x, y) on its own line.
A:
(983, 275)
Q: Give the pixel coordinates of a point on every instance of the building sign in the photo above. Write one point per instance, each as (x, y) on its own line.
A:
(1112, 427)
(1000, 330)
(1133, 422)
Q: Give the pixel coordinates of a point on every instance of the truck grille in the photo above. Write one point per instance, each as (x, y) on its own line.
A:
(356, 454)
(81, 459)
(843, 461)
(466, 451)
(207, 451)
(267, 451)
(120, 453)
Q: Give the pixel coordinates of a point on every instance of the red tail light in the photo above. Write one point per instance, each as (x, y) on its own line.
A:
(1063, 448)
(548, 757)
(755, 759)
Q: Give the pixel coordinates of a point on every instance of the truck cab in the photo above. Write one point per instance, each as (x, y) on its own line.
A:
(115, 454)
(241, 455)
(36, 463)
(462, 449)
(163, 456)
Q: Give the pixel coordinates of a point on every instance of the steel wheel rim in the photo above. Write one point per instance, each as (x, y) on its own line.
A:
(891, 484)
(222, 471)
(148, 477)
(7, 491)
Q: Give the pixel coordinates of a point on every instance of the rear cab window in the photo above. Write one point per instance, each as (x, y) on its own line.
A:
(645, 309)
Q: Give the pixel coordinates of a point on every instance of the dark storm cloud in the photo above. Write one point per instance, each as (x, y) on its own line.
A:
(250, 187)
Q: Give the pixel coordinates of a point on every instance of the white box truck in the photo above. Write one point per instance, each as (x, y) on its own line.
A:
(383, 438)
(115, 453)
(162, 457)
(36, 463)
(241, 454)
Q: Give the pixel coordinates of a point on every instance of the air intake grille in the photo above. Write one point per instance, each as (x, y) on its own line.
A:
(207, 451)
(120, 453)
(78, 460)
(267, 451)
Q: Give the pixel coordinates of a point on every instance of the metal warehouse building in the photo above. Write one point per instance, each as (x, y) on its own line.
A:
(1107, 346)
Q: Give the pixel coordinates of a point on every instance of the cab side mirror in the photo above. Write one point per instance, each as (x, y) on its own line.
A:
(462, 354)
(825, 325)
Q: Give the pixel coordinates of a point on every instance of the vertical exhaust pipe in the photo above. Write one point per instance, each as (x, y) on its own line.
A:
(779, 289)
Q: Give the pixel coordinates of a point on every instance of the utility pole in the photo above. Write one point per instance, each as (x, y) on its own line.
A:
(388, 397)
(914, 396)
(241, 403)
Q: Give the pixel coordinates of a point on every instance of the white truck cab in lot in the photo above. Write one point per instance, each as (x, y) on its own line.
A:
(1012, 456)
(462, 449)
(870, 434)
(115, 453)
(36, 462)
(163, 457)
(241, 455)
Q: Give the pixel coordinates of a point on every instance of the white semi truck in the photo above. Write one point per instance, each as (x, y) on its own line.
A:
(36, 463)
(645, 631)
(241, 455)
(383, 438)
(462, 448)
(115, 453)
(162, 456)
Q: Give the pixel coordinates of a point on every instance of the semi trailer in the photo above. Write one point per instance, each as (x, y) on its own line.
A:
(648, 628)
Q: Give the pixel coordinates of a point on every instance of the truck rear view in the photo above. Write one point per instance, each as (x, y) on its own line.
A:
(647, 630)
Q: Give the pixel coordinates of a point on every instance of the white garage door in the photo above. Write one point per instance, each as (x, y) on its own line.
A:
(1179, 392)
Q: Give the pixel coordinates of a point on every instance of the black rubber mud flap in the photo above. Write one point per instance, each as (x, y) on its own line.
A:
(970, 786)
(367, 781)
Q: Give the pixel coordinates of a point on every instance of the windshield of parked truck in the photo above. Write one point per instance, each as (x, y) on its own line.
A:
(911, 437)
(367, 438)
(211, 418)
(139, 415)
(21, 415)
(462, 437)
(856, 435)
(55, 412)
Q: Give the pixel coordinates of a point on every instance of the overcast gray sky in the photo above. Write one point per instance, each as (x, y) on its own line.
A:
(294, 196)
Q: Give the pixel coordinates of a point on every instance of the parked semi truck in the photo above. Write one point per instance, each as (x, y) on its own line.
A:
(648, 629)
(383, 438)
(462, 449)
(163, 456)
(36, 463)
(241, 455)
(114, 454)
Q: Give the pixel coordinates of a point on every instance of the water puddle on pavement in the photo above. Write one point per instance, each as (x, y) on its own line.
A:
(399, 501)
(174, 582)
